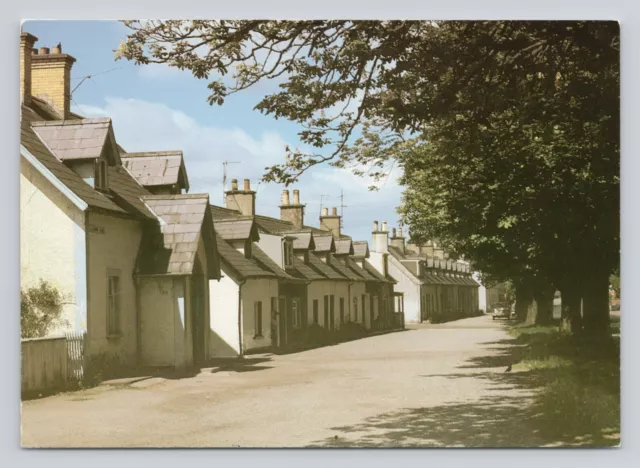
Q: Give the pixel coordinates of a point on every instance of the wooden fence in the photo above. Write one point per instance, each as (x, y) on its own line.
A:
(75, 356)
(44, 364)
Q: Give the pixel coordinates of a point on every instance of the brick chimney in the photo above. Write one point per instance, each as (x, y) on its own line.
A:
(330, 222)
(397, 239)
(242, 200)
(292, 212)
(27, 41)
(51, 78)
(380, 238)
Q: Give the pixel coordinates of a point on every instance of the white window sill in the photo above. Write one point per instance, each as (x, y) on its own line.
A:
(114, 336)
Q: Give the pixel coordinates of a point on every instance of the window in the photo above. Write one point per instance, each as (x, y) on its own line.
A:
(296, 312)
(364, 308)
(101, 174)
(315, 311)
(288, 254)
(257, 318)
(341, 311)
(113, 305)
(355, 309)
(332, 311)
(326, 312)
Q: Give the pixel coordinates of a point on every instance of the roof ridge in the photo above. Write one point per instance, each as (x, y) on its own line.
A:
(53, 123)
(150, 154)
(180, 196)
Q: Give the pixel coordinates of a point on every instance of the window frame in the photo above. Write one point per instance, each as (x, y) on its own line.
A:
(257, 319)
(355, 309)
(316, 311)
(296, 314)
(100, 175)
(114, 304)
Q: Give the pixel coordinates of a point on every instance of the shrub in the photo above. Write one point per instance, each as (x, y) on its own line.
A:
(40, 310)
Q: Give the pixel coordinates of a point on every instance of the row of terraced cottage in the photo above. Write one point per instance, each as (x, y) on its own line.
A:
(156, 276)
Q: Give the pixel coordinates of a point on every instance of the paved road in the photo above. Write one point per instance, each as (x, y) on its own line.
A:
(427, 386)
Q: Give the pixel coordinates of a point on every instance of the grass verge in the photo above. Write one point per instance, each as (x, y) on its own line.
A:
(578, 385)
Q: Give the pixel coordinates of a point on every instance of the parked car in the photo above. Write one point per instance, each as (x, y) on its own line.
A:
(501, 310)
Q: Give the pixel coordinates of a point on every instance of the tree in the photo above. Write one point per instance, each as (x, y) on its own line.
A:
(41, 309)
(507, 131)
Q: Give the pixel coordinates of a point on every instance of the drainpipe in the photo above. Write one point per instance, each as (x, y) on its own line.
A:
(136, 282)
(240, 324)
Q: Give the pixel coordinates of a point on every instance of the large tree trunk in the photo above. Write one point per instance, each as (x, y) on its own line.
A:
(571, 310)
(524, 297)
(543, 298)
(596, 305)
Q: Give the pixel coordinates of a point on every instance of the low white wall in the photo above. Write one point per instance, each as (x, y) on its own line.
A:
(254, 290)
(224, 336)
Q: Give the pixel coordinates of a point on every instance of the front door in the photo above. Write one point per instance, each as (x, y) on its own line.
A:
(282, 310)
(332, 311)
(274, 321)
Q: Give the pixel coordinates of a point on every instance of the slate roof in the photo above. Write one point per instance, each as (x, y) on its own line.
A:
(323, 243)
(242, 266)
(267, 263)
(157, 168)
(74, 139)
(324, 269)
(221, 212)
(344, 246)
(360, 249)
(305, 271)
(128, 191)
(273, 225)
(344, 270)
(379, 276)
(183, 217)
(358, 270)
(303, 241)
(236, 229)
(73, 181)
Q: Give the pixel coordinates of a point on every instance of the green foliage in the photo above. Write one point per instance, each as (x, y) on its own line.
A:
(41, 308)
(614, 280)
(507, 131)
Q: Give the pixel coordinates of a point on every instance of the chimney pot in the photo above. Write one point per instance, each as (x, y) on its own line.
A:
(44, 51)
(399, 232)
(234, 184)
(296, 197)
(375, 226)
(393, 232)
(334, 211)
(57, 50)
(325, 211)
(247, 185)
(285, 197)
(34, 51)
(384, 227)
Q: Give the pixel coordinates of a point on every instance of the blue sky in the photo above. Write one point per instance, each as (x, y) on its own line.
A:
(155, 107)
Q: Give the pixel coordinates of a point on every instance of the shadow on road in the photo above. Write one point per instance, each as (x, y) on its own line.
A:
(563, 394)
(239, 365)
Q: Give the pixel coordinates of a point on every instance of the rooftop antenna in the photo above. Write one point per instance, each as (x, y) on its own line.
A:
(321, 198)
(224, 176)
(342, 207)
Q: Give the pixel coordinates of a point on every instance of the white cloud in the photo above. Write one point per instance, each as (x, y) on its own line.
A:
(149, 126)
